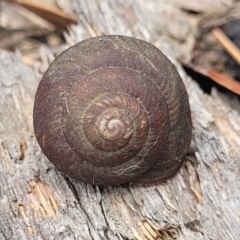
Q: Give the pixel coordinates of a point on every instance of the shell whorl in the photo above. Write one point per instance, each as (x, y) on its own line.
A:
(113, 109)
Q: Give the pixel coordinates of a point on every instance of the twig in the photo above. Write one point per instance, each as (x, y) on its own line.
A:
(225, 81)
(51, 14)
(228, 45)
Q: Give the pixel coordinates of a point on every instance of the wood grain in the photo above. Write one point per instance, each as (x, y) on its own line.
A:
(38, 202)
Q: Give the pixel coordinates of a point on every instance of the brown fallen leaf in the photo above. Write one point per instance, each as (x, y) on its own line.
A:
(51, 14)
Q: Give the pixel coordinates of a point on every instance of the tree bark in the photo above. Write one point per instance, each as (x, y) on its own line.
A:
(201, 202)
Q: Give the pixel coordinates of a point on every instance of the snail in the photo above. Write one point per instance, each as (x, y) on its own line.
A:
(112, 110)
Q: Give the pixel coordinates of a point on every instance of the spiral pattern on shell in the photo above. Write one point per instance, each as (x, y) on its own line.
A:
(113, 109)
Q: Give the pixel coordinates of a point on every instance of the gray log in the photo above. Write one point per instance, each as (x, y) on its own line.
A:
(201, 202)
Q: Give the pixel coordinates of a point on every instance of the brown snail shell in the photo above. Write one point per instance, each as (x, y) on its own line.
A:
(113, 109)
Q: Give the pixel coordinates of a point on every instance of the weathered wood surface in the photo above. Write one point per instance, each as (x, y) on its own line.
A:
(201, 202)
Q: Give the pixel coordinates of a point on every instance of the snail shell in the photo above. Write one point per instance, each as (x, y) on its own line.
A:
(113, 109)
